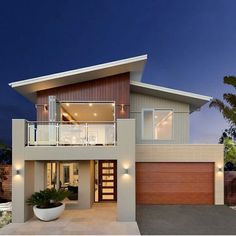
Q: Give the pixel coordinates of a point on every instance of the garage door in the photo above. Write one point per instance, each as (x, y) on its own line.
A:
(174, 183)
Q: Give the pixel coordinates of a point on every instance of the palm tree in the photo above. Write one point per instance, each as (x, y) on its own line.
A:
(227, 109)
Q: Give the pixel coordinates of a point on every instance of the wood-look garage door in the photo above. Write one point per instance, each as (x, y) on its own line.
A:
(174, 183)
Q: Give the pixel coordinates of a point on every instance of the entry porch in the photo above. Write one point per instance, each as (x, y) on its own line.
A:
(98, 220)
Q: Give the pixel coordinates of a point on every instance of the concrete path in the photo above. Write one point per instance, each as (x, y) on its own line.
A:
(100, 219)
(182, 220)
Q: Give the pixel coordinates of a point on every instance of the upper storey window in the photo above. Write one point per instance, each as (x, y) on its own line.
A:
(157, 124)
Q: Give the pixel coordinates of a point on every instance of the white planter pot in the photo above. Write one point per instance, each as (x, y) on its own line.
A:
(48, 214)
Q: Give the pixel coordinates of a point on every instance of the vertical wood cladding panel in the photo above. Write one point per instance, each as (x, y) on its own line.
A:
(114, 88)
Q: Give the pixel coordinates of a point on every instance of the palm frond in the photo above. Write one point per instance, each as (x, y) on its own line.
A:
(230, 80)
(227, 112)
(230, 98)
(218, 104)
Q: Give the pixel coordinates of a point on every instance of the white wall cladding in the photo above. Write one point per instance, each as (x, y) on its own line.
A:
(180, 122)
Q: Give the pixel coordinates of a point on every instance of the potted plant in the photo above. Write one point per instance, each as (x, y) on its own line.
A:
(47, 203)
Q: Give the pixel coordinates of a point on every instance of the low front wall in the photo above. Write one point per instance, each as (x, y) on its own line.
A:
(187, 153)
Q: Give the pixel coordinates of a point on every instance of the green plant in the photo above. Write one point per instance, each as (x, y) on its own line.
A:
(227, 109)
(5, 218)
(48, 198)
(230, 151)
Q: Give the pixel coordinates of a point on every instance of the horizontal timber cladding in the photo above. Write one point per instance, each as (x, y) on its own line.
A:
(114, 88)
(174, 183)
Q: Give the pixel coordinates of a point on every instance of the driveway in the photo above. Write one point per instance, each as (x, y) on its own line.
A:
(186, 219)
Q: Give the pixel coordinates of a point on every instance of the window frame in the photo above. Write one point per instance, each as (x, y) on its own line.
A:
(153, 134)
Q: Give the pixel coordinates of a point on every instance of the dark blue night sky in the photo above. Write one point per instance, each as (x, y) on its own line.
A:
(190, 44)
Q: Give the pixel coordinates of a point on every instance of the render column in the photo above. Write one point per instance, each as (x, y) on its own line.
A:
(22, 183)
(85, 184)
(126, 203)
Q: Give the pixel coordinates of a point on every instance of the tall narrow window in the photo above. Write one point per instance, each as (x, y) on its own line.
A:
(157, 124)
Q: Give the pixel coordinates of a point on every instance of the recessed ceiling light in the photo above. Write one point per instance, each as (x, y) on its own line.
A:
(95, 114)
(155, 117)
(90, 104)
(65, 114)
(67, 104)
(76, 114)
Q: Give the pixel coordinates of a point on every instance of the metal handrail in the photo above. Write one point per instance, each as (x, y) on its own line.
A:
(69, 122)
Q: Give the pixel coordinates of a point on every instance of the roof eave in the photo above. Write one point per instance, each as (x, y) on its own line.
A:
(196, 101)
(28, 88)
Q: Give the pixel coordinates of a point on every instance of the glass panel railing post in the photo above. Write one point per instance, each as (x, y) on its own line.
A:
(35, 133)
(57, 134)
(86, 133)
(28, 138)
(114, 134)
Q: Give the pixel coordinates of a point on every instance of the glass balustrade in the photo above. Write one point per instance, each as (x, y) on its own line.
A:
(69, 134)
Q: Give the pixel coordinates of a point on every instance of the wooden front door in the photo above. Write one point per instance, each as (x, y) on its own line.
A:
(175, 183)
(107, 181)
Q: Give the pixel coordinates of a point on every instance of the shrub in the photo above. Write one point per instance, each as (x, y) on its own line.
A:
(5, 218)
(48, 198)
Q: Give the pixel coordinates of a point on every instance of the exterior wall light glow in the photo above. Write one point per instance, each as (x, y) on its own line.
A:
(17, 172)
(122, 108)
(45, 107)
(126, 171)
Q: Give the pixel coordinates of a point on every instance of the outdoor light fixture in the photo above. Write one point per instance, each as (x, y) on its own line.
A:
(220, 169)
(126, 171)
(45, 107)
(122, 108)
(18, 172)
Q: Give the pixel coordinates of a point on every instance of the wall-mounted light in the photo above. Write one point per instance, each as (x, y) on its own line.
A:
(122, 108)
(126, 171)
(220, 169)
(17, 172)
(45, 107)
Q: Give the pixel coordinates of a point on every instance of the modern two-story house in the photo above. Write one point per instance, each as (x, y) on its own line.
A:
(106, 136)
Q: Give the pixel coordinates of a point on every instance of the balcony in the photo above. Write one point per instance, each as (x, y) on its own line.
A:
(71, 133)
